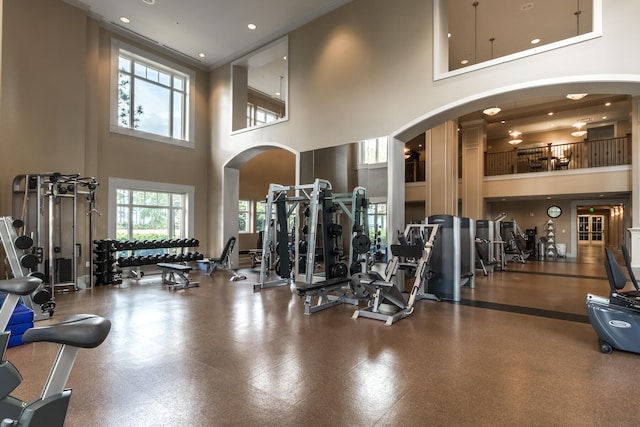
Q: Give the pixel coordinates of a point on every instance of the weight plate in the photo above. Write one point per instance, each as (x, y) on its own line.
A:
(361, 244)
(23, 242)
(359, 290)
(29, 261)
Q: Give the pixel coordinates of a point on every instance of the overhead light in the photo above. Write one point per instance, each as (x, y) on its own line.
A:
(579, 132)
(492, 111)
(550, 113)
(149, 2)
(252, 26)
(515, 137)
(464, 61)
(535, 41)
(608, 104)
(201, 54)
(576, 96)
(124, 20)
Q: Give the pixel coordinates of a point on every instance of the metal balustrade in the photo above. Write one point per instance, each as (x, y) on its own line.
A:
(554, 157)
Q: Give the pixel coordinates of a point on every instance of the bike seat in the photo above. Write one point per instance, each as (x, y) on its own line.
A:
(20, 285)
(80, 330)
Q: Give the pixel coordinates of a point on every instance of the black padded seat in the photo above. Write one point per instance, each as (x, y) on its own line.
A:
(80, 330)
(20, 285)
(336, 282)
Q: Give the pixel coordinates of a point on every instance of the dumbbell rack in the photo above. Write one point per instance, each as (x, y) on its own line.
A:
(8, 236)
(109, 267)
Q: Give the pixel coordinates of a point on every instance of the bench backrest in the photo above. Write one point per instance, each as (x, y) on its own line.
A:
(228, 248)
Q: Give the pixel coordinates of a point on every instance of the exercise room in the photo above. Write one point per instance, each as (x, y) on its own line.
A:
(319, 212)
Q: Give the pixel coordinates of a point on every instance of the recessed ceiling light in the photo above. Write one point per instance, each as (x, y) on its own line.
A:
(550, 113)
(464, 61)
(277, 93)
(124, 20)
(284, 57)
(604, 117)
(535, 41)
(608, 104)
(252, 26)
(526, 6)
(201, 54)
(149, 1)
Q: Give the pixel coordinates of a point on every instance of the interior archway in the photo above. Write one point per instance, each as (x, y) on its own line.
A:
(247, 176)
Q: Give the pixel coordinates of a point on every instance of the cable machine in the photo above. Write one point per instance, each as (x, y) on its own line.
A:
(48, 205)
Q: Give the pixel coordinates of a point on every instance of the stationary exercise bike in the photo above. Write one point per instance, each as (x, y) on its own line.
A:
(78, 331)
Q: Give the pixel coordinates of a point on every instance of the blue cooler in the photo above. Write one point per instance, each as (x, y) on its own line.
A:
(20, 321)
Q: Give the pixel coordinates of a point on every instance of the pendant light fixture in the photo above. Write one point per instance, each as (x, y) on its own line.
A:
(516, 135)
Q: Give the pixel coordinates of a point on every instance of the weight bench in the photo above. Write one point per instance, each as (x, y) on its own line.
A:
(176, 276)
(322, 291)
(223, 262)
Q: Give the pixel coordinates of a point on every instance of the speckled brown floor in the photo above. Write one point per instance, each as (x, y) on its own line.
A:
(223, 355)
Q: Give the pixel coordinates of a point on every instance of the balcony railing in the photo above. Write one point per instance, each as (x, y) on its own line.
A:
(579, 155)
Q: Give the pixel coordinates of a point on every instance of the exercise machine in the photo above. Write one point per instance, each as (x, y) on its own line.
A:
(79, 331)
(616, 319)
(453, 262)
(386, 301)
(50, 206)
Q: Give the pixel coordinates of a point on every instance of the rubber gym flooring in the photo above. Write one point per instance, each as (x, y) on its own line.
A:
(517, 350)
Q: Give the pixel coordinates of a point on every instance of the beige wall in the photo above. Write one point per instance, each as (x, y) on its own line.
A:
(275, 166)
(365, 70)
(55, 112)
(361, 71)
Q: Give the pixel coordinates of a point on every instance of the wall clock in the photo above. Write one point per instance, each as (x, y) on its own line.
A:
(554, 211)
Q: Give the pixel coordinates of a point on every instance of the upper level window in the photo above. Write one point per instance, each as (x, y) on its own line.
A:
(372, 151)
(151, 97)
(468, 37)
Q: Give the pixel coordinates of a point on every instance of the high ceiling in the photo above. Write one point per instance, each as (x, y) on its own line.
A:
(216, 28)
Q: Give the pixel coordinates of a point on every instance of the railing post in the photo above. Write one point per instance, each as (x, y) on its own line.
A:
(549, 156)
(514, 160)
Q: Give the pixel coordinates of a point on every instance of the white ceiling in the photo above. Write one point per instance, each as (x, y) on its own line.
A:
(217, 28)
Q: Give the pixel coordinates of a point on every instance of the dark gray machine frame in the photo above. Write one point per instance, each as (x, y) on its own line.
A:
(453, 263)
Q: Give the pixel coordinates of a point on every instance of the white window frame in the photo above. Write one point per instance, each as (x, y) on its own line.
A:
(382, 147)
(249, 220)
(164, 65)
(128, 184)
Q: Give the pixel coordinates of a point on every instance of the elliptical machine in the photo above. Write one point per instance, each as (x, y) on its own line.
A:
(616, 319)
(78, 331)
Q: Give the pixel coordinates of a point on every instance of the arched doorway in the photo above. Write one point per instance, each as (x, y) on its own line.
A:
(246, 177)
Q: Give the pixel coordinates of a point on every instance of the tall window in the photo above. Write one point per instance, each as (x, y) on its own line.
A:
(151, 97)
(142, 210)
(377, 220)
(149, 215)
(244, 216)
(372, 151)
(260, 215)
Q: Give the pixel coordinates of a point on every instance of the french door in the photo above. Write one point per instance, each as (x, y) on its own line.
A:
(591, 230)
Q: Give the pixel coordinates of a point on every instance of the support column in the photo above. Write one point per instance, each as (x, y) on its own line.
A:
(441, 169)
(473, 137)
(635, 183)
